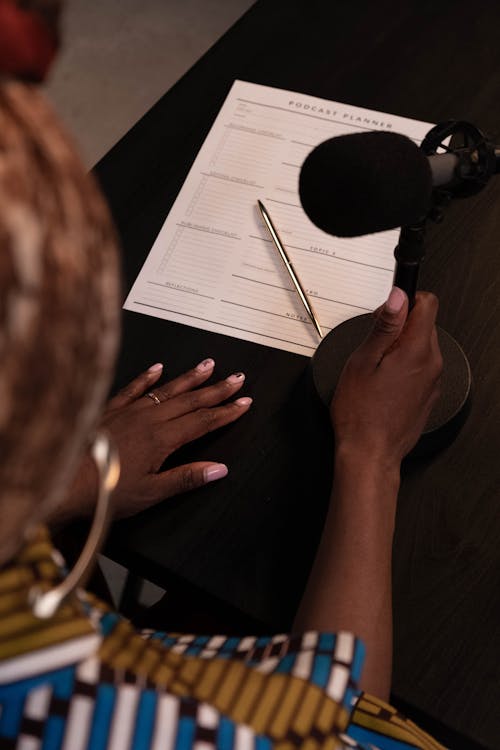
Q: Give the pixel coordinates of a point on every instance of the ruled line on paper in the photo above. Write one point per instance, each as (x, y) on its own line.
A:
(177, 312)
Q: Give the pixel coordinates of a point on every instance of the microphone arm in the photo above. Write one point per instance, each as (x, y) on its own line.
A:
(409, 253)
(461, 168)
(476, 157)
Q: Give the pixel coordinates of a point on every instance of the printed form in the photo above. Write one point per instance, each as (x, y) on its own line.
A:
(213, 265)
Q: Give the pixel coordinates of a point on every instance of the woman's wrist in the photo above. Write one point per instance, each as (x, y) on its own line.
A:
(357, 460)
(367, 483)
(80, 498)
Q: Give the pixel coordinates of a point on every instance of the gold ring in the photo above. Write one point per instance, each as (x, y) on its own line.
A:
(153, 397)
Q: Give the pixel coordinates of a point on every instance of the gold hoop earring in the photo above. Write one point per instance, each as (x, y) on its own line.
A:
(105, 455)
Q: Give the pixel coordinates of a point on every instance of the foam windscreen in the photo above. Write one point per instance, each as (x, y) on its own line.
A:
(366, 182)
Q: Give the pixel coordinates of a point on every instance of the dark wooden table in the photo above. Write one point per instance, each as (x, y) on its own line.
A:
(249, 540)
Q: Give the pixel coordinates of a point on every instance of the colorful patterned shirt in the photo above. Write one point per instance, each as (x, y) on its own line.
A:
(86, 680)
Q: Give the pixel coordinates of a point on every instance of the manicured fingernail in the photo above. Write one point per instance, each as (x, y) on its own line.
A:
(156, 368)
(395, 300)
(207, 364)
(236, 377)
(216, 471)
(243, 401)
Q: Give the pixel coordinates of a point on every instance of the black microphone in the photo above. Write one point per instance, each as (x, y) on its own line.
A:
(369, 182)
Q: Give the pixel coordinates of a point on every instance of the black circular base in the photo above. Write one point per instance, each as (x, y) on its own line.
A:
(451, 409)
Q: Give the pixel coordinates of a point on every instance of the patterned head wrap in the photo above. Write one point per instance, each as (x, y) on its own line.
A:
(58, 277)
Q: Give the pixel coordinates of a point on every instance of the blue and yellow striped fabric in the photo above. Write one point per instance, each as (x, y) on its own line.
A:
(86, 680)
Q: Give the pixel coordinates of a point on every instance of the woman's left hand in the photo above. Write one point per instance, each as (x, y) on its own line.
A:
(148, 430)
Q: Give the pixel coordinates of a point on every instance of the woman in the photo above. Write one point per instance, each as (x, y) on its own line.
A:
(73, 674)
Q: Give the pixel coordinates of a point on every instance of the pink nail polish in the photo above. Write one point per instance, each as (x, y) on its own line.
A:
(216, 471)
(236, 377)
(395, 300)
(207, 364)
(243, 401)
(156, 368)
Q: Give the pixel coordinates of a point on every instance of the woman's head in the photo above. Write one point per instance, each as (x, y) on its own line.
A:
(58, 309)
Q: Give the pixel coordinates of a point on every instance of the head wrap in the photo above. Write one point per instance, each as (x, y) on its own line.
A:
(29, 37)
(59, 284)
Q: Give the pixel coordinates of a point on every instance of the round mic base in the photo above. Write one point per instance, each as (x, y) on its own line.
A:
(449, 412)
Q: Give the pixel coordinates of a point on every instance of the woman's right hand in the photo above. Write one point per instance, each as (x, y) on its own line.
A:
(390, 383)
(382, 402)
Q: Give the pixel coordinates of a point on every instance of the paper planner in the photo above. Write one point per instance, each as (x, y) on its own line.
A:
(213, 265)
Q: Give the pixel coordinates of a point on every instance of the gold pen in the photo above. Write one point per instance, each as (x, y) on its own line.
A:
(288, 265)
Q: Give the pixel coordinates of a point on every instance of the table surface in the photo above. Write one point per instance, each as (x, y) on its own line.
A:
(250, 539)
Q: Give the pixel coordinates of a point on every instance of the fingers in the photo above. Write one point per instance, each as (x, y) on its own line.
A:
(197, 423)
(436, 356)
(186, 478)
(137, 388)
(422, 319)
(186, 382)
(389, 323)
(212, 395)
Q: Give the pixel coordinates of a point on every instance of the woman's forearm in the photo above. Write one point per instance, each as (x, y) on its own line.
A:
(350, 583)
(381, 404)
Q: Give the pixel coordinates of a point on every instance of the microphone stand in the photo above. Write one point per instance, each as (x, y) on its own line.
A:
(478, 160)
(452, 407)
(409, 253)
